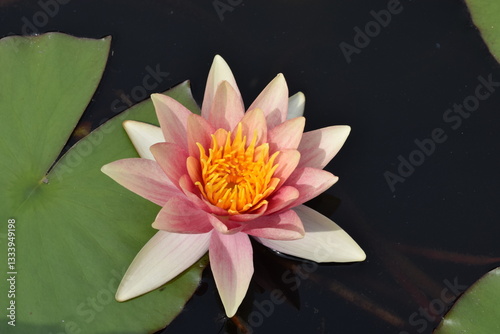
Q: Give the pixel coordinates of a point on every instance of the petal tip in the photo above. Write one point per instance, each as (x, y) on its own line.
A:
(357, 254)
(120, 298)
(128, 123)
(346, 129)
(231, 312)
(160, 101)
(155, 97)
(299, 96)
(122, 295)
(296, 105)
(353, 252)
(156, 226)
(362, 255)
(155, 149)
(131, 126)
(281, 81)
(105, 169)
(219, 63)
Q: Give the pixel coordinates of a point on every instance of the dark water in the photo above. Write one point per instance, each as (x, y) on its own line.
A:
(395, 90)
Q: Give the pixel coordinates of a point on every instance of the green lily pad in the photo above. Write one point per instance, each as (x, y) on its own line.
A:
(477, 310)
(486, 17)
(76, 230)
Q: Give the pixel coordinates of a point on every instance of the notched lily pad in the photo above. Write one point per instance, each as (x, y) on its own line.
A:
(76, 231)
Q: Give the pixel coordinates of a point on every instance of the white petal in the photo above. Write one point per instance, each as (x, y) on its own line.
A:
(296, 104)
(143, 135)
(219, 71)
(318, 147)
(165, 256)
(324, 240)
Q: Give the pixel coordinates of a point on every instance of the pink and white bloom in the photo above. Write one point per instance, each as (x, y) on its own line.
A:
(227, 175)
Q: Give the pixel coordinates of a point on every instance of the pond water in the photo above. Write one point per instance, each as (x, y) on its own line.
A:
(418, 175)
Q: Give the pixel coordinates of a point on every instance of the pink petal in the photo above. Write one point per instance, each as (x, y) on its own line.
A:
(227, 107)
(324, 240)
(287, 135)
(194, 169)
(231, 260)
(198, 131)
(219, 72)
(296, 104)
(282, 198)
(143, 177)
(273, 100)
(280, 226)
(172, 159)
(220, 135)
(173, 119)
(287, 161)
(310, 182)
(143, 136)
(165, 256)
(226, 226)
(244, 217)
(179, 215)
(318, 147)
(254, 122)
(192, 192)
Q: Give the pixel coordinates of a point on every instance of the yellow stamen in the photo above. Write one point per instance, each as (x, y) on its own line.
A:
(237, 177)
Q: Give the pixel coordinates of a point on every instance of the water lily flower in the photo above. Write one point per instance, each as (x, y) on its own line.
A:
(227, 175)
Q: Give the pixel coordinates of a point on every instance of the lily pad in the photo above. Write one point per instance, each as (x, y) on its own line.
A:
(76, 231)
(486, 17)
(477, 310)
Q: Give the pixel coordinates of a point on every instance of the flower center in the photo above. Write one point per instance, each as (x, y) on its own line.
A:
(237, 177)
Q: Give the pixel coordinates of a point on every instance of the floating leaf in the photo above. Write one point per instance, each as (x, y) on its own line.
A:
(486, 16)
(76, 231)
(477, 310)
